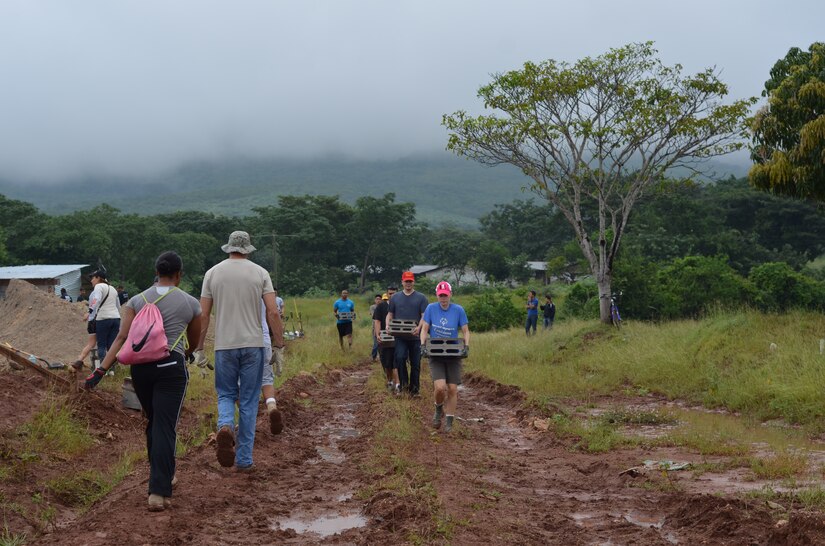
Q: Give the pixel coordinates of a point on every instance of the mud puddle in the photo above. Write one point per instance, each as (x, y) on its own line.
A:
(322, 526)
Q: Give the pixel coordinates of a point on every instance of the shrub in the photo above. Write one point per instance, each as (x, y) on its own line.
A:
(493, 310)
(779, 288)
(695, 283)
(583, 300)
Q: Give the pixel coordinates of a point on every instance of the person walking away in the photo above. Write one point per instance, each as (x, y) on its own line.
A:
(160, 385)
(235, 287)
(532, 313)
(344, 325)
(387, 354)
(443, 320)
(408, 305)
(549, 310)
(122, 295)
(377, 302)
(104, 313)
(271, 358)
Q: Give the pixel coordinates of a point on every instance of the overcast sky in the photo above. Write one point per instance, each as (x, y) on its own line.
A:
(135, 87)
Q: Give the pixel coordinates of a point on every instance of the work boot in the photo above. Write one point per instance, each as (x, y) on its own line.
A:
(448, 426)
(158, 503)
(226, 446)
(439, 413)
(276, 420)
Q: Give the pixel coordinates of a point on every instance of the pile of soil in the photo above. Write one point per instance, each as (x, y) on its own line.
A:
(42, 324)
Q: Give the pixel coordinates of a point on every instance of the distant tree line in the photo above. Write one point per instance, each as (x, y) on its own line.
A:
(684, 237)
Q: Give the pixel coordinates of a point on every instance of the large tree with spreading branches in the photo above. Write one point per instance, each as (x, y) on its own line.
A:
(597, 133)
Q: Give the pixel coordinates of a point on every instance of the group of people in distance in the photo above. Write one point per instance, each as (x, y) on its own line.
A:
(441, 320)
(533, 307)
(241, 295)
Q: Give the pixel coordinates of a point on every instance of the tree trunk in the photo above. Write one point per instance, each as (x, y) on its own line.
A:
(604, 297)
(364, 272)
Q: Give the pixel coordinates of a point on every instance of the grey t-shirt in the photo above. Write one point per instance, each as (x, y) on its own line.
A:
(236, 287)
(177, 309)
(408, 307)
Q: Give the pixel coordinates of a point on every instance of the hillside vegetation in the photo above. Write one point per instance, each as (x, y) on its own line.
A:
(443, 187)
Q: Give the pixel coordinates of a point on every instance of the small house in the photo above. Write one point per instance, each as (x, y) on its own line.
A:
(50, 278)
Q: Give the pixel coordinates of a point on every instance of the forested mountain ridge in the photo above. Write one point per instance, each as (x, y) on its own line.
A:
(444, 188)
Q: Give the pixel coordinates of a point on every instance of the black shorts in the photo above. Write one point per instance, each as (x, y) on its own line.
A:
(344, 329)
(91, 326)
(388, 358)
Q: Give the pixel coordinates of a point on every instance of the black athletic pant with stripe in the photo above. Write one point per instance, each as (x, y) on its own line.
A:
(161, 386)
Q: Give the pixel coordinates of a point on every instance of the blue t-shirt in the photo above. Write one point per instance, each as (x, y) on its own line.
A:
(534, 312)
(343, 306)
(445, 324)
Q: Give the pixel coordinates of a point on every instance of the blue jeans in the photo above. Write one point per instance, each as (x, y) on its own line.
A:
(106, 332)
(374, 353)
(412, 348)
(548, 323)
(531, 323)
(238, 374)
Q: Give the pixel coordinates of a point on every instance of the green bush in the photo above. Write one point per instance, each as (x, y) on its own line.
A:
(692, 284)
(493, 310)
(582, 300)
(780, 288)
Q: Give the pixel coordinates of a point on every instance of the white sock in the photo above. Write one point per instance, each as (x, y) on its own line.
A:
(268, 400)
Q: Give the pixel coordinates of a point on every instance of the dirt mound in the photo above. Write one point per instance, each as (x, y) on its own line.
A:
(494, 391)
(716, 519)
(42, 324)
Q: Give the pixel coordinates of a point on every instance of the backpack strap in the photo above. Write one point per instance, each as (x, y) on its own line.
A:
(185, 341)
(163, 296)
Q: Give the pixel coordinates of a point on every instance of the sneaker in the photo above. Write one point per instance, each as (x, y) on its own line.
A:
(245, 469)
(276, 420)
(390, 386)
(439, 413)
(397, 389)
(448, 426)
(226, 446)
(174, 480)
(158, 503)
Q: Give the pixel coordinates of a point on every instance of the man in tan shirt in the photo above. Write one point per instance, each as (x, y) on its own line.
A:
(235, 288)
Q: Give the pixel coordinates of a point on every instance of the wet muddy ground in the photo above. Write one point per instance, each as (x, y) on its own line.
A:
(496, 479)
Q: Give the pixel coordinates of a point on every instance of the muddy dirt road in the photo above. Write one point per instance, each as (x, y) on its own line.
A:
(499, 481)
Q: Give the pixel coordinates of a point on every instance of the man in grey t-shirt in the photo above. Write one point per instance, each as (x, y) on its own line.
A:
(408, 305)
(235, 288)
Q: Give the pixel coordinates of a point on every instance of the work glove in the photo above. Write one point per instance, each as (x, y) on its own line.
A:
(277, 360)
(94, 378)
(201, 361)
(465, 352)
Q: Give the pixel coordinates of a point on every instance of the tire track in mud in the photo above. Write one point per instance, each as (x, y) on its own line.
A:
(496, 481)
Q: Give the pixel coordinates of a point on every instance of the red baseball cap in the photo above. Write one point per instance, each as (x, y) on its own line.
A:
(407, 276)
(443, 288)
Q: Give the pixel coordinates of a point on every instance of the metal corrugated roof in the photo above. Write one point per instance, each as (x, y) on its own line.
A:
(419, 269)
(38, 271)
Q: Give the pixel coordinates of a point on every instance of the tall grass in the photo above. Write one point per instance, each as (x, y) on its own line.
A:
(724, 360)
